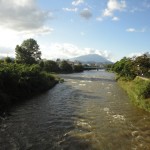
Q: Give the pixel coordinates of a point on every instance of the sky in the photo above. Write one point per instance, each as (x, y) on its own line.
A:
(70, 28)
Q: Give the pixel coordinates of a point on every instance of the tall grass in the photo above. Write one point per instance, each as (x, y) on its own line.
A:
(138, 91)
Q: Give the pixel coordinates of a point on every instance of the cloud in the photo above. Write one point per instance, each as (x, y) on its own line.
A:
(136, 9)
(6, 51)
(114, 5)
(34, 33)
(135, 30)
(135, 54)
(71, 9)
(115, 19)
(130, 30)
(77, 2)
(86, 13)
(22, 15)
(59, 50)
(68, 50)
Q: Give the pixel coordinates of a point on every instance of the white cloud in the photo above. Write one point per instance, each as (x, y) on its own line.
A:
(86, 13)
(71, 9)
(68, 50)
(115, 19)
(20, 19)
(6, 51)
(22, 15)
(99, 19)
(114, 5)
(59, 50)
(136, 9)
(41, 31)
(135, 30)
(130, 30)
(77, 2)
(135, 54)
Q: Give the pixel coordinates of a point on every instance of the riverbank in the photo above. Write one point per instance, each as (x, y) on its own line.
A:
(138, 91)
(20, 82)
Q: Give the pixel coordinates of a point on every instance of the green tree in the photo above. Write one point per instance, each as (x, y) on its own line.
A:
(8, 60)
(51, 66)
(66, 67)
(142, 65)
(78, 68)
(28, 52)
(125, 68)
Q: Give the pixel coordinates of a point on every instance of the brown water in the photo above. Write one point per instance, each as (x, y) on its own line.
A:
(89, 111)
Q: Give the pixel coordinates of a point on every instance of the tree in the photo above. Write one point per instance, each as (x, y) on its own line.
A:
(125, 68)
(28, 52)
(66, 67)
(51, 66)
(142, 65)
(8, 60)
(78, 68)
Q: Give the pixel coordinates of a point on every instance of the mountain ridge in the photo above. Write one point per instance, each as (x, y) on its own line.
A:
(91, 58)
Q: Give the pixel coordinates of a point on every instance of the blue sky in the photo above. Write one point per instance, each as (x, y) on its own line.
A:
(69, 28)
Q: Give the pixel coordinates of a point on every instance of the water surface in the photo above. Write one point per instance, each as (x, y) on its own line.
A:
(89, 111)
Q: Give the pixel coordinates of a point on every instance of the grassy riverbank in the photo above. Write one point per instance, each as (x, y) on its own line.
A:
(19, 82)
(138, 91)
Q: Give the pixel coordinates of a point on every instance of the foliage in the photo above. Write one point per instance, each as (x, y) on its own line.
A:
(51, 66)
(142, 65)
(138, 91)
(8, 60)
(131, 67)
(142, 87)
(78, 68)
(19, 81)
(28, 52)
(66, 67)
(109, 67)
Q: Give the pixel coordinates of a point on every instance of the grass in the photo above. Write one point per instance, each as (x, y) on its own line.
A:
(138, 91)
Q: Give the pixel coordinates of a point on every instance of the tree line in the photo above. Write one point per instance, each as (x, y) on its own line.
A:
(29, 53)
(129, 68)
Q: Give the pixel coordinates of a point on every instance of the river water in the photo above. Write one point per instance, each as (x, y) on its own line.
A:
(89, 111)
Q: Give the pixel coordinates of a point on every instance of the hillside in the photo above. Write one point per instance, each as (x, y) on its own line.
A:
(91, 58)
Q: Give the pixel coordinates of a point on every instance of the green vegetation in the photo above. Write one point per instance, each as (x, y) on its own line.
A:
(50, 66)
(65, 67)
(133, 75)
(19, 81)
(78, 68)
(28, 75)
(28, 52)
(138, 91)
(129, 68)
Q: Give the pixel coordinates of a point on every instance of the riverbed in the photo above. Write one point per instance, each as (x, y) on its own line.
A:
(89, 111)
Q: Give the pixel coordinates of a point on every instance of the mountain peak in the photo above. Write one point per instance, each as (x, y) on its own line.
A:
(91, 58)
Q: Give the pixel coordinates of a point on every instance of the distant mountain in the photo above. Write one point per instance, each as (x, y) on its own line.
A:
(92, 58)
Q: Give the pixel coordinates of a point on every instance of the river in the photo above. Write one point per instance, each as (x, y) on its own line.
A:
(89, 111)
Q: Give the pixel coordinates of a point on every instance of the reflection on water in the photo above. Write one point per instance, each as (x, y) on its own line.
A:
(87, 112)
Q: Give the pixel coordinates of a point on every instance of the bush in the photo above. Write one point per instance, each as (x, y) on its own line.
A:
(66, 67)
(22, 81)
(138, 91)
(78, 68)
(142, 87)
